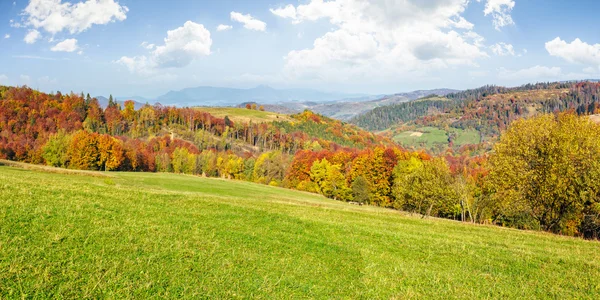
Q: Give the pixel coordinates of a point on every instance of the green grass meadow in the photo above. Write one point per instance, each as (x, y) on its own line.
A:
(432, 137)
(143, 235)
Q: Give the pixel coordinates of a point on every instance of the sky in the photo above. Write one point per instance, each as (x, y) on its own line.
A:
(149, 47)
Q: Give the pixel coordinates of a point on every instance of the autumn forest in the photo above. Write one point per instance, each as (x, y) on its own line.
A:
(534, 170)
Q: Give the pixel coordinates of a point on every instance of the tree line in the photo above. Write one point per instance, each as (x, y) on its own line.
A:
(543, 174)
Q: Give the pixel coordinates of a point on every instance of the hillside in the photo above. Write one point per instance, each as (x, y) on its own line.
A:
(132, 235)
(244, 115)
(347, 109)
(488, 110)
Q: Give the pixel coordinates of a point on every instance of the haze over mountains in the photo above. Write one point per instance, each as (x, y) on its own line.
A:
(342, 106)
(221, 96)
(345, 110)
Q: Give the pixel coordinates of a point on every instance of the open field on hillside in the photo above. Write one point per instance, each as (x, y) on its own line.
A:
(430, 137)
(245, 115)
(71, 235)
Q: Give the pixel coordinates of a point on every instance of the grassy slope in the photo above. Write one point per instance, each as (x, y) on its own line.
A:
(432, 136)
(135, 235)
(245, 115)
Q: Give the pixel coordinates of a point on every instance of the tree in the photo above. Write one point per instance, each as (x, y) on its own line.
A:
(270, 168)
(548, 168)
(360, 190)
(83, 151)
(111, 153)
(55, 150)
(425, 187)
(330, 180)
(183, 161)
(111, 101)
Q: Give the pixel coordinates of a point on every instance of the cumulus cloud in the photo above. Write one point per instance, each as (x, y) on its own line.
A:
(249, 21)
(55, 16)
(382, 38)
(500, 10)
(223, 27)
(575, 52)
(7, 36)
(32, 36)
(147, 45)
(539, 73)
(288, 11)
(180, 48)
(68, 45)
(503, 49)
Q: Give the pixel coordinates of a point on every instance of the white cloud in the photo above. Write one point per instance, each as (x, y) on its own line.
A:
(15, 24)
(32, 36)
(575, 52)
(46, 80)
(500, 11)
(7, 36)
(3, 79)
(536, 73)
(462, 23)
(380, 39)
(147, 45)
(35, 57)
(223, 27)
(249, 22)
(180, 48)
(68, 45)
(288, 11)
(503, 49)
(55, 16)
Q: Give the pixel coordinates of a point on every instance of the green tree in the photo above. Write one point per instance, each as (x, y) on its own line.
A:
(360, 190)
(425, 187)
(55, 150)
(183, 161)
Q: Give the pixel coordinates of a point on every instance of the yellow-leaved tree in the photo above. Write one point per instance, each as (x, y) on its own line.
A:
(548, 168)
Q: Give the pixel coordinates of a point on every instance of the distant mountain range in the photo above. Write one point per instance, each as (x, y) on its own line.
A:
(342, 106)
(346, 109)
(218, 96)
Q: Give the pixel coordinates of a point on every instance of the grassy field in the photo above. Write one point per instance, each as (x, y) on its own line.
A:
(430, 137)
(131, 235)
(245, 115)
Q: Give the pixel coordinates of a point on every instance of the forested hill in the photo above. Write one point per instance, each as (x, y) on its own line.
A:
(488, 109)
(312, 153)
(28, 120)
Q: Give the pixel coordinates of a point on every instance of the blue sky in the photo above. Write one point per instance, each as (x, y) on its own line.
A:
(146, 48)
